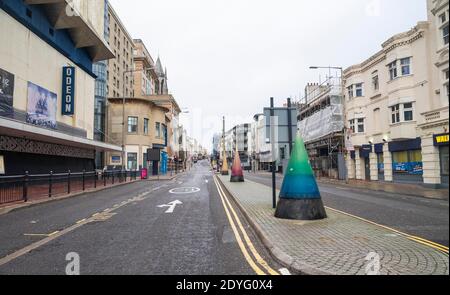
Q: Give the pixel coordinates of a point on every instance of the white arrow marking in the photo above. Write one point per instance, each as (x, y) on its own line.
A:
(171, 206)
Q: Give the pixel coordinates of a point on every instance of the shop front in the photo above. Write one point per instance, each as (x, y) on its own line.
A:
(441, 141)
(407, 161)
(380, 160)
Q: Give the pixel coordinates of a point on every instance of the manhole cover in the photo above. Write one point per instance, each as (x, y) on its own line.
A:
(184, 190)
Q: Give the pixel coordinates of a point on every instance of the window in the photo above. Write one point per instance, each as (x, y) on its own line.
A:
(393, 70)
(446, 83)
(352, 125)
(359, 89)
(406, 66)
(146, 126)
(408, 112)
(445, 34)
(350, 92)
(132, 124)
(361, 126)
(132, 161)
(375, 81)
(377, 119)
(158, 130)
(395, 110)
(443, 18)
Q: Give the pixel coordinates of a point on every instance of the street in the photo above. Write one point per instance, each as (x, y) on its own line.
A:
(158, 228)
(422, 217)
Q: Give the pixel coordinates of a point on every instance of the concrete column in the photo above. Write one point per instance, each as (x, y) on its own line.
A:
(373, 167)
(359, 162)
(388, 173)
(350, 167)
(431, 162)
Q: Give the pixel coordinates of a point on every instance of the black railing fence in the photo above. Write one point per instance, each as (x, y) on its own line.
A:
(25, 187)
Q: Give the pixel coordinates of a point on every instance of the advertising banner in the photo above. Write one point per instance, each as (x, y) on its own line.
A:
(6, 94)
(412, 168)
(41, 109)
(2, 165)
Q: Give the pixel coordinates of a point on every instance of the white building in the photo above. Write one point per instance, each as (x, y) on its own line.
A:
(397, 106)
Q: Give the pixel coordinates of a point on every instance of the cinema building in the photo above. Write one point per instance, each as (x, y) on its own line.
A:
(47, 85)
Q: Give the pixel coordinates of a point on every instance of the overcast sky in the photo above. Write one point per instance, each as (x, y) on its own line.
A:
(228, 57)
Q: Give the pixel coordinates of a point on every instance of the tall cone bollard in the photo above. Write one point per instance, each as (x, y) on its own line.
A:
(237, 174)
(300, 197)
(224, 170)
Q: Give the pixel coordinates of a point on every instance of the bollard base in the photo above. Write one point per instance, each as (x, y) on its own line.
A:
(224, 173)
(237, 179)
(301, 209)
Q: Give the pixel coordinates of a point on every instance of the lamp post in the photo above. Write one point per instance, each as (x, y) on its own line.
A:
(344, 111)
(123, 109)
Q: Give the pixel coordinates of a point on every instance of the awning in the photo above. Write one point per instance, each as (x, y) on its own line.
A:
(20, 129)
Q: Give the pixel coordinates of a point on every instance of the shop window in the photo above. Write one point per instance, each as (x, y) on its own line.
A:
(380, 163)
(132, 161)
(408, 162)
(443, 151)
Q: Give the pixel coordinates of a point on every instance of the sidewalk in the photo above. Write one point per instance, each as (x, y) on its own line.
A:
(380, 186)
(338, 245)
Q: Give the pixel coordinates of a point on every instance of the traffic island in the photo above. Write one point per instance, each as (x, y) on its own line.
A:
(338, 245)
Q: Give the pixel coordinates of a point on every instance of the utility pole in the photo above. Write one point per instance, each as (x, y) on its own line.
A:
(274, 161)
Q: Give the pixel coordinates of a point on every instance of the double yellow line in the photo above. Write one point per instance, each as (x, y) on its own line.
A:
(254, 259)
(419, 240)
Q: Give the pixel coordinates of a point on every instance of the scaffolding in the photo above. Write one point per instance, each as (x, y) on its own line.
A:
(321, 120)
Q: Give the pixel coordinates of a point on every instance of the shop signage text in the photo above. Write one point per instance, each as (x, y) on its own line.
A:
(441, 139)
(68, 91)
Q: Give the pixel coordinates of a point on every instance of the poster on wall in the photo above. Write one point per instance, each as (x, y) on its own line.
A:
(6, 94)
(2, 165)
(41, 109)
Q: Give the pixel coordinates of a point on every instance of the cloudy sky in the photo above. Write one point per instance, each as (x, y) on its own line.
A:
(228, 57)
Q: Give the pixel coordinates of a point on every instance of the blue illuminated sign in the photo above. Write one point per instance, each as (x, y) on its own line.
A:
(68, 91)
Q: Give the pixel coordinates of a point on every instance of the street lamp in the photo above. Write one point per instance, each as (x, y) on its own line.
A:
(344, 112)
(123, 110)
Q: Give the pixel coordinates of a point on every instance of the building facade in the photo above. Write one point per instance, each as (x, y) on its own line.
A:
(321, 125)
(119, 77)
(397, 106)
(48, 85)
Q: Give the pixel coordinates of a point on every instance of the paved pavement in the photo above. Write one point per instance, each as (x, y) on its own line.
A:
(423, 217)
(124, 231)
(340, 244)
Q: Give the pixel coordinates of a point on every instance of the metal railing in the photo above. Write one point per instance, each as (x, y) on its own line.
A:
(25, 187)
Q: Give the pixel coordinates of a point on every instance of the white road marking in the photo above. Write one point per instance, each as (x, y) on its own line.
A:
(184, 190)
(171, 206)
(285, 272)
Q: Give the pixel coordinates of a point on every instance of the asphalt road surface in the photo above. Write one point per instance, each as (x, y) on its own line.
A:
(126, 230)
(422, 217)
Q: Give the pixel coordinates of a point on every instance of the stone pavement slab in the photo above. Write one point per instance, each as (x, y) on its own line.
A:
(340, 244)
